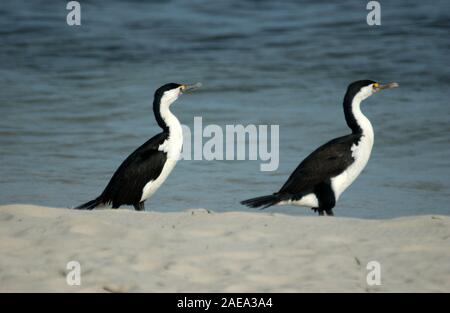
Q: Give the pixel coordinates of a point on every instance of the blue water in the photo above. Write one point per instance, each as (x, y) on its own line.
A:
(75, 101)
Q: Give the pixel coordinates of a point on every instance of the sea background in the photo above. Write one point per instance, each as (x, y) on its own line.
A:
(76, 100)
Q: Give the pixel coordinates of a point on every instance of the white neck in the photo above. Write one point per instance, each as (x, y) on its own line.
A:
(174, 143)
(171, 120)
(361, 119)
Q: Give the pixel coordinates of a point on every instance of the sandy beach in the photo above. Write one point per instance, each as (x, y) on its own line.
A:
(202, 251)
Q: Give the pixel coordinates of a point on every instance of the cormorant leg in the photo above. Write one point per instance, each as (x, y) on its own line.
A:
(325, 195)
(140, 206)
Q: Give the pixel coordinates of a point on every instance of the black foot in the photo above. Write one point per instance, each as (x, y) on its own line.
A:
(322, 211)
(317, 210)
(140, 206)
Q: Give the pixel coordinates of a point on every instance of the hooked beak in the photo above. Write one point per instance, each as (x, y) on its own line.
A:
(187, 88)
(386, 86)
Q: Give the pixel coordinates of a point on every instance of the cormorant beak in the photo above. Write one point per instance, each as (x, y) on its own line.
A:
(187, 88)
(379, 87)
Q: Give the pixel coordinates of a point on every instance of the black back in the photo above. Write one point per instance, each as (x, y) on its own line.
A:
(143, 165)
(327, 161)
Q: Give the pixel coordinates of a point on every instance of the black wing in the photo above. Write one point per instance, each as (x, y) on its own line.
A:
(327, 161)
(143, 165)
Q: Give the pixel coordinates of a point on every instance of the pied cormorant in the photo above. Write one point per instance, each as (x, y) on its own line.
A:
(320, 179)
(144, 171)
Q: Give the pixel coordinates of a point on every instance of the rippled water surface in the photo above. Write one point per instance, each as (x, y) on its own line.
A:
(75, 101)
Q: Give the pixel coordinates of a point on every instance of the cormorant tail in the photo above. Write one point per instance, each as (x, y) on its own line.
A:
(90, 204)
(263, 202)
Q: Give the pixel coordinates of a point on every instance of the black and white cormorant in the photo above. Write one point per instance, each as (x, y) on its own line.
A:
(144, 171)
(320, 179)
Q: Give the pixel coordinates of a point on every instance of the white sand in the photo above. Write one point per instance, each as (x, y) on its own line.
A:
(194, 251)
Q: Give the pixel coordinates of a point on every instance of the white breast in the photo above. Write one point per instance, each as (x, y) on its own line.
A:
(153, 185)
(361, 154)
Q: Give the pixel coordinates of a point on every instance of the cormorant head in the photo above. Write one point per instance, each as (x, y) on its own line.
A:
(365, 88)
(168, 93)
(165, 96)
